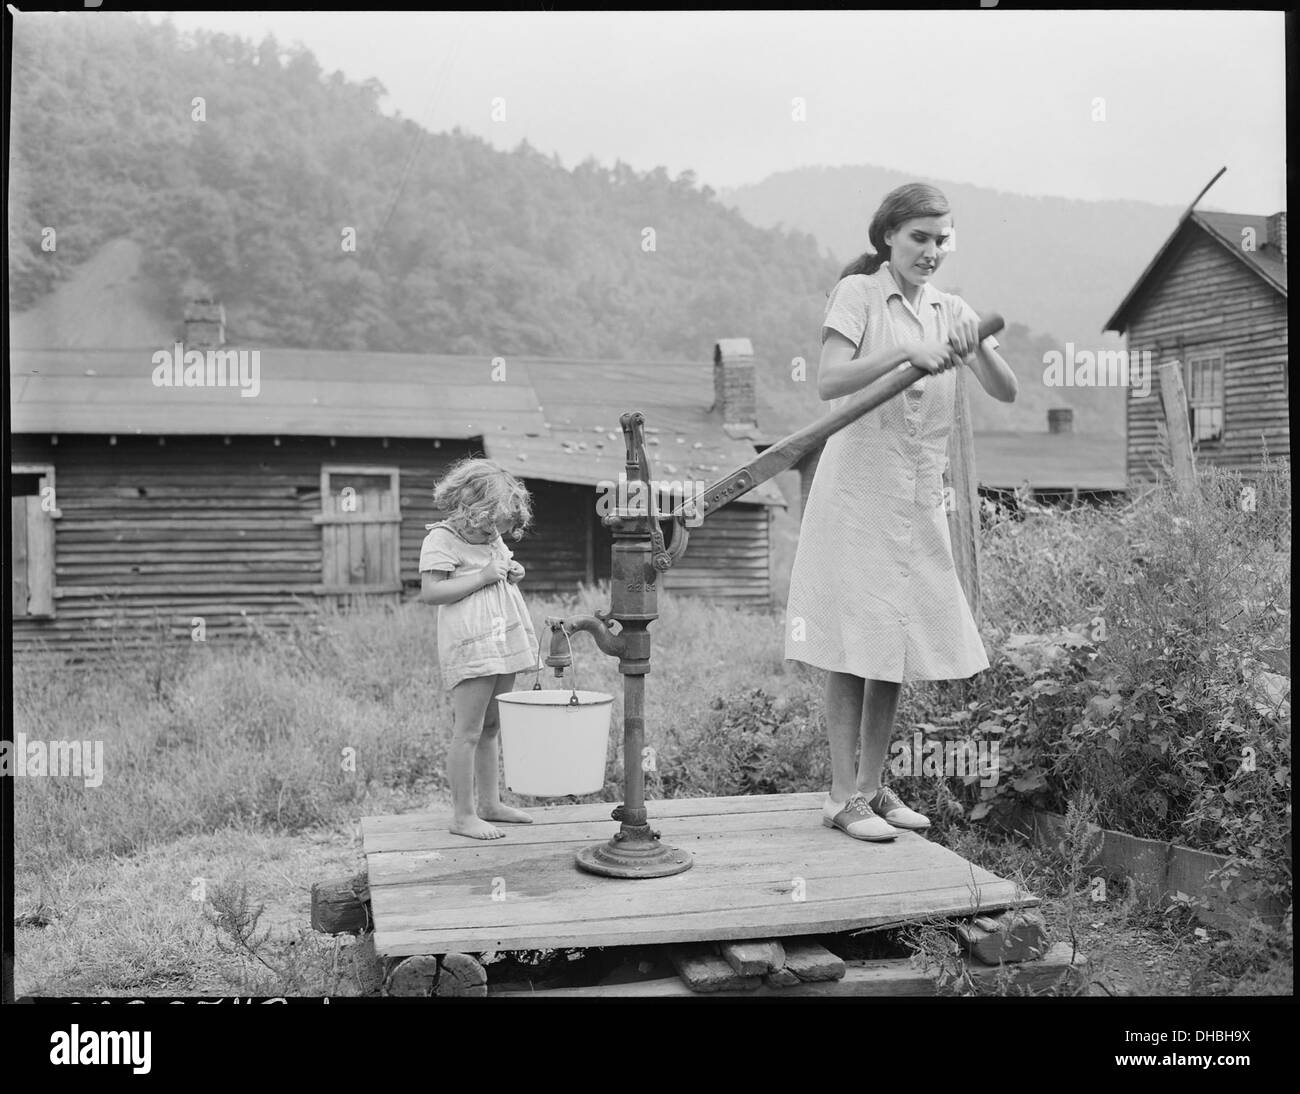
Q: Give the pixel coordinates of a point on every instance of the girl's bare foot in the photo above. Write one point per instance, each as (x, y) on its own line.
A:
(504, 813)
(475, 828)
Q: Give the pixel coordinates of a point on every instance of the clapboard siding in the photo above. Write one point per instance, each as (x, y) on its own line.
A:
(555, 550)
(151, 538)
(727, 559)
(1206, 300)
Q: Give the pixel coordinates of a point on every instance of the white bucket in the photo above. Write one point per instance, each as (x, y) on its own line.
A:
(553, 747)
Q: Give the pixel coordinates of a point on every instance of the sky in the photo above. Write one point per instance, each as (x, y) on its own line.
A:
(1089, 105)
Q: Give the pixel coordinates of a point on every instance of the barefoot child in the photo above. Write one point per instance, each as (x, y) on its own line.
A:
(485, 634)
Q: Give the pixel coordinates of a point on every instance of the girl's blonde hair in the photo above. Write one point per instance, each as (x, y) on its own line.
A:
(476, 493)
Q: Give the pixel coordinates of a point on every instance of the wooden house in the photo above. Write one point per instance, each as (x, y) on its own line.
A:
(1214, 299)
(140, 504)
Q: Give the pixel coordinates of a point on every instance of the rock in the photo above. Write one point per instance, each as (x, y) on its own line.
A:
(752, 958)
(1007, 937)
(811, 961)
(780, 978)
(705, 971)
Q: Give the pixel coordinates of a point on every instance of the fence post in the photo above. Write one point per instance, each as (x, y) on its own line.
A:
(1173, 397)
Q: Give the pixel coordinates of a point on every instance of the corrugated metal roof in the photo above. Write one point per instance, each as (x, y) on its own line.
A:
(1050, 461)
(302, 392)
(1225, 229)
(545, 419)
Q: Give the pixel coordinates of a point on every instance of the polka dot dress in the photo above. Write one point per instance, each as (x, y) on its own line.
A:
(874, 590)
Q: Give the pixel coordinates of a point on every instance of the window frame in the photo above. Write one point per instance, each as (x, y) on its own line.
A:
(1195, 367)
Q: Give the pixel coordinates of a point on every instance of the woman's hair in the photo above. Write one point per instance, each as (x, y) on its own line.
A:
(476, 493)
(903, 203)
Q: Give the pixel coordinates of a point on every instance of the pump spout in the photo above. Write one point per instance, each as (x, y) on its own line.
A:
(561, 655)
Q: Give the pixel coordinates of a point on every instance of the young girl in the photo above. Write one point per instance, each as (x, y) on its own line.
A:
(485, 634)
(874, 594)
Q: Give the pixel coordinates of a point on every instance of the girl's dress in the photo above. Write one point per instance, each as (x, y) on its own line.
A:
(874, 590)
(489, 632)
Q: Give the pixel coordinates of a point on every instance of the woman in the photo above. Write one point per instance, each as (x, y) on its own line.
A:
(874, 594)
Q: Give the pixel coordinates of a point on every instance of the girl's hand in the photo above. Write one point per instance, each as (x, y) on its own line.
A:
(964, 336)
(496, 570)
(931, 357)
(516, 574)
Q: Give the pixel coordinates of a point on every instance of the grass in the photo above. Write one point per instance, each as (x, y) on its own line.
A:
(238, 772)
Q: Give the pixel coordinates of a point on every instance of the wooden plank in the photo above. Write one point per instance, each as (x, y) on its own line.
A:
(18, 553)
(756, 921)
(359, 517)
(355, 556)
(132, 591)
(549, 867)
(227, 522)
(710, 884)
(391, 542)
(373, 564)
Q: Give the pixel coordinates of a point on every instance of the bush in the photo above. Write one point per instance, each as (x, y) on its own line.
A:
(753, 744)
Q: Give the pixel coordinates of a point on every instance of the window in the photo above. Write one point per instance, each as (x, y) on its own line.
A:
(1203, 378)
(361, 524)
(32, 511)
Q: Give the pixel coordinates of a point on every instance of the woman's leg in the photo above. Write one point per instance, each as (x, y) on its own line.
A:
(878, 711)
(469, 701)
(844, 695)
(487, 764)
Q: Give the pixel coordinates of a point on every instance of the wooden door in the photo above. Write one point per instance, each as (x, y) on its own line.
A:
(31, 544)
(360, 523)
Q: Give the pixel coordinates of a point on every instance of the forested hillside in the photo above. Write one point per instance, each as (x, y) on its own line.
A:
(460, 248)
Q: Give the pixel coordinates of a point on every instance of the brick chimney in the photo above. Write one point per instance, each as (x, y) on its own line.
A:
(735, 392)
(1060, 420)
(205, 324)
(1277, 233)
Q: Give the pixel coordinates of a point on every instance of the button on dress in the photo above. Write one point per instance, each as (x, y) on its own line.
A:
(874, 590)
(489, 632)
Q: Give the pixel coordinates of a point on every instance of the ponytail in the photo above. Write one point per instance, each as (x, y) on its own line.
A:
(866, 263)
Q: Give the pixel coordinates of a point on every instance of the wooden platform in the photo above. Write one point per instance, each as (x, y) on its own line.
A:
(433, 893)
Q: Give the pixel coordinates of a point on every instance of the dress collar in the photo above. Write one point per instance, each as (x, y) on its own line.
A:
(885, 279)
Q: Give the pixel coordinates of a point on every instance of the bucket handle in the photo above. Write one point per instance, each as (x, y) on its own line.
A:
(573, 676)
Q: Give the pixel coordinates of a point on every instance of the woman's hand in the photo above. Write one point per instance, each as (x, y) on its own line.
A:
(964, 335)
(496, 570)
(516, 574)
(931, 357)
